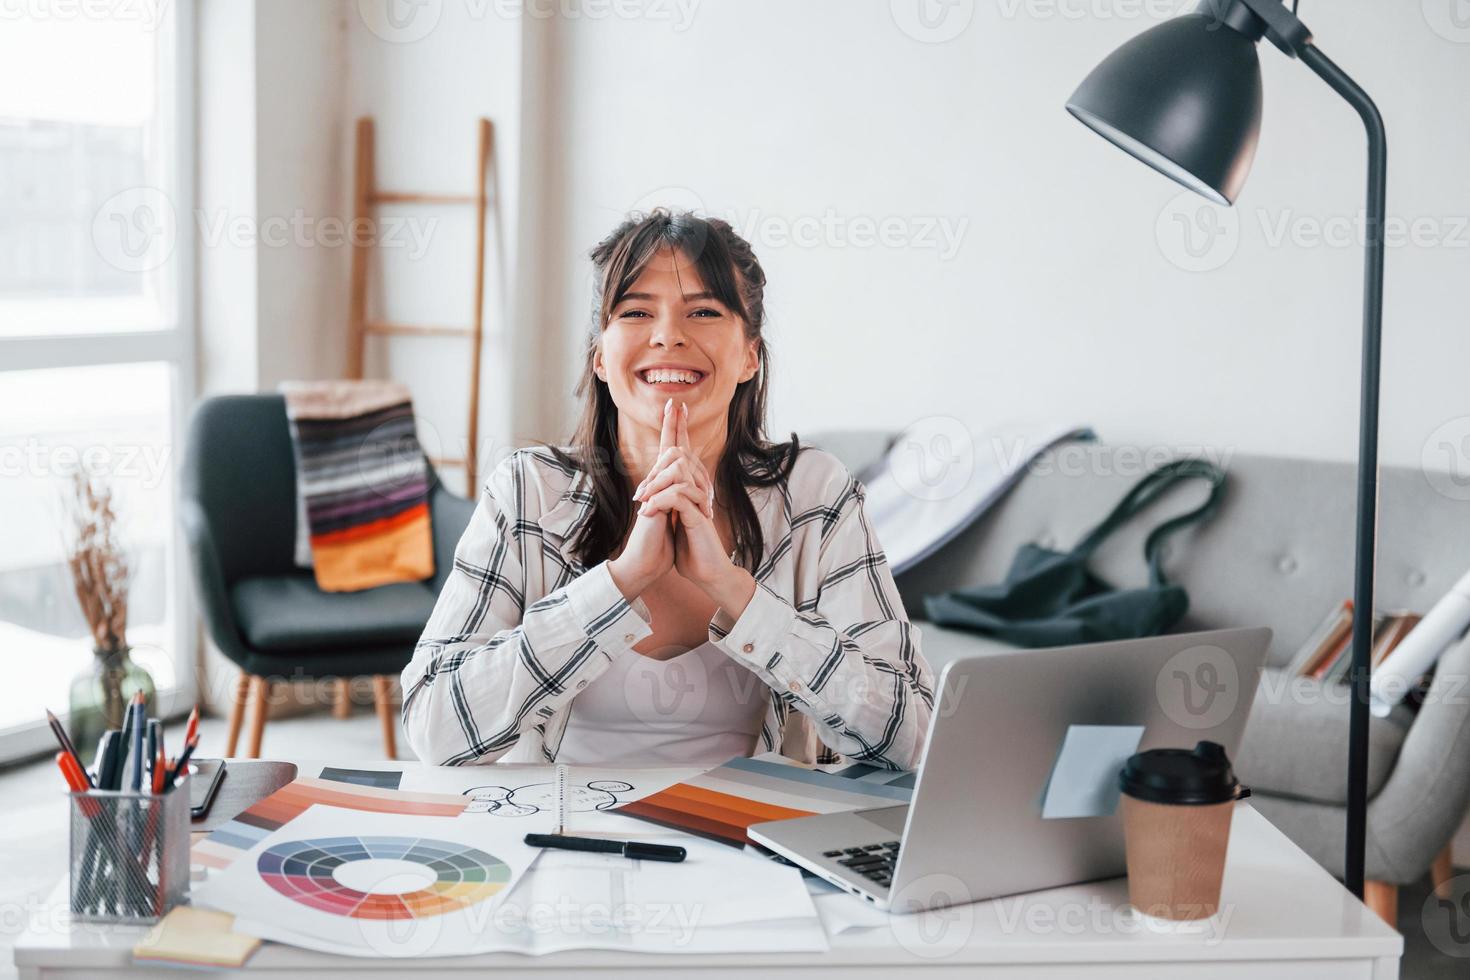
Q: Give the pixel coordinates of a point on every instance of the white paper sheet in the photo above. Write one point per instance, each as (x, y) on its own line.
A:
(840, 910)
(717, 900)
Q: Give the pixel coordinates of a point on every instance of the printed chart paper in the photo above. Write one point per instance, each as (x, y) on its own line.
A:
(716, 901)
(374, 884)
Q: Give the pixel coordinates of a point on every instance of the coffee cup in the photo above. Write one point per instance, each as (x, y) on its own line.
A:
(1176, 807)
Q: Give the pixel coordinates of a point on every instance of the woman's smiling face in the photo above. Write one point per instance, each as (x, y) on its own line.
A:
(669, 319)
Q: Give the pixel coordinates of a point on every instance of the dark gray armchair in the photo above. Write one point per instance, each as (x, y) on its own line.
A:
(238, 510)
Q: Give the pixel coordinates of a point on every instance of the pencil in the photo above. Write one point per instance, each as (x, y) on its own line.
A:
(192, 728)
(68, 747)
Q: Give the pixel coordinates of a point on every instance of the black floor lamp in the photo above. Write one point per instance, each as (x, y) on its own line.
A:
(1185, 98)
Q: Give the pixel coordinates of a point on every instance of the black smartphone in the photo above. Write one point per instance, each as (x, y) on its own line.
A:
(204, 779)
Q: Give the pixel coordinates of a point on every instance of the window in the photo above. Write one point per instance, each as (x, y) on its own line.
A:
(96, 331)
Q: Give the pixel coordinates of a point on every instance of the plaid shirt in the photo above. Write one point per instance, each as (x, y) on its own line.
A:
(521, 626)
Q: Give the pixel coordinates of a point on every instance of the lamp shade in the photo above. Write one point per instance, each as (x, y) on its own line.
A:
(1185, 98)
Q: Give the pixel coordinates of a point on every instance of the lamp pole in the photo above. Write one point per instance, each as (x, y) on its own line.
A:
(1357, 799)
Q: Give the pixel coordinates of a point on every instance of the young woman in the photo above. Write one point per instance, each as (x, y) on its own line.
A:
(671, 588)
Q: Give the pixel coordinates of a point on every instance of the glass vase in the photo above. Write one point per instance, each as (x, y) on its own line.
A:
(100, 695)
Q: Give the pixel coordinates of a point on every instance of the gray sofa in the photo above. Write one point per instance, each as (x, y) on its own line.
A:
(1279, 553)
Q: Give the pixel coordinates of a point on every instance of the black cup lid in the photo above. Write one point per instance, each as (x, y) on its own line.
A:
(1182, 777)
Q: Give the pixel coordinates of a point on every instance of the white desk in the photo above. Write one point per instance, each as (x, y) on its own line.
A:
(1283, 918)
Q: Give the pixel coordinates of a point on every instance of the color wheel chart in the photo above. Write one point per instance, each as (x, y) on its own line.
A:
(382, 877)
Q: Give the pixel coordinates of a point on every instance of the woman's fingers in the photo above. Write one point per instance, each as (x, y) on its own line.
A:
(682, 499)
(669, 435)
(678, 466)
(678, 471)
(695, 493)
(676, 462)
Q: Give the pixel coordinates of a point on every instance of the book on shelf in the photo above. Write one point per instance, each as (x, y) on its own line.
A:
(1324, 641)
(1327, 653)
(1394, 630)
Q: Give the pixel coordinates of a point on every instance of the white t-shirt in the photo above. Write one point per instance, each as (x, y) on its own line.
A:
(699, 708)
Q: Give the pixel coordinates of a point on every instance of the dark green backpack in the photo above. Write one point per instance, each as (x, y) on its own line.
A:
(1049, 598)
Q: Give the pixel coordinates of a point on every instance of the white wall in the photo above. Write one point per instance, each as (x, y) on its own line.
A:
(225, 183)
(427, 80)
(299, 159)
(1068, 292)
(282, 83)
(272, 294)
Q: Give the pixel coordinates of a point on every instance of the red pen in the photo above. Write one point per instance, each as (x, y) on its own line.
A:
(159, 771)
(76, 780)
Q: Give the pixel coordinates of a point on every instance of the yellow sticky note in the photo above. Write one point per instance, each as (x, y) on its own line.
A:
(199, 936)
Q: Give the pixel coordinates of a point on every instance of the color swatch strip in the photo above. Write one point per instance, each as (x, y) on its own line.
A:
(722, 803)
(252, 826)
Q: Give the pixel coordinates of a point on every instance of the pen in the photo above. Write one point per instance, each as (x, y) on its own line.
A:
(181, 766)
(150, 750)
(135, 778)
(158, 772)
(628, 849)
(109, 760)
(136, 750)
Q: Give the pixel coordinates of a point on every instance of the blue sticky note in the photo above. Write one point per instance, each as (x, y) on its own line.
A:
(1084, 780)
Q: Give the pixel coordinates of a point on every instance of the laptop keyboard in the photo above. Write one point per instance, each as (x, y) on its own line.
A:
(874, 862)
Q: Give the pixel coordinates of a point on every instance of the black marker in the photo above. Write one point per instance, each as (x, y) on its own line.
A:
(628, 849)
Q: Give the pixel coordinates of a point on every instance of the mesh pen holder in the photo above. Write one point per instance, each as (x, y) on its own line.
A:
(129, 854)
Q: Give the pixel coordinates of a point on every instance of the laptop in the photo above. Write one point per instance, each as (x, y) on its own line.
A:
(974, 827)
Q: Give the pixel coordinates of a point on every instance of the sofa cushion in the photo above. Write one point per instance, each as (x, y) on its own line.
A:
(288, 612)
(940, 644)
(1296, 741)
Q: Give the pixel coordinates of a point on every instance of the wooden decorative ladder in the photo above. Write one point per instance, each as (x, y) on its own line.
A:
(366, 197)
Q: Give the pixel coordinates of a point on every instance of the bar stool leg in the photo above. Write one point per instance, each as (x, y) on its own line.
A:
(383, 700)
(342, 698)
(260, 691)
(237, 713)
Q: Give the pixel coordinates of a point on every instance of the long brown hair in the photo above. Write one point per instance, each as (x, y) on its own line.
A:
(730, 271)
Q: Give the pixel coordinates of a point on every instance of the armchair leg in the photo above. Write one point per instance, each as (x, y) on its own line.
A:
(341, 698)
(260, 691)
(237, 713)
(1442, 871)
(1383, 898)
(383, 701)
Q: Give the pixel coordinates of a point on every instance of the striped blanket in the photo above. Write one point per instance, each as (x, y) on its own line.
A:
(362, 484)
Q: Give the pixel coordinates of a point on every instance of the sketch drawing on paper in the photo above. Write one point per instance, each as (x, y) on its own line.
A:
(525, 800)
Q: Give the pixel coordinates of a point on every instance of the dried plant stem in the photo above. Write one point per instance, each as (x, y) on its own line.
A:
(99, 565)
